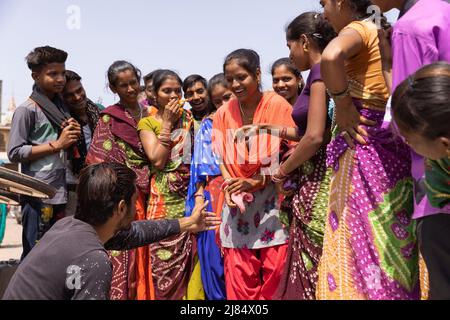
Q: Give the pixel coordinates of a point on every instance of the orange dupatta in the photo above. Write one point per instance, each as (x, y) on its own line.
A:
(240, 161)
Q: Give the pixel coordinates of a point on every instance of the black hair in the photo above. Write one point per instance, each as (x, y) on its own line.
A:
(192, 80)
(121, 66)
(101, 188)
(162, 75)
(421, 102)
(149, 77)
(288, 64)
(72, 76)
(247, 59)
(314, 26)
(360, 7)
(218, 79)
(43, 56)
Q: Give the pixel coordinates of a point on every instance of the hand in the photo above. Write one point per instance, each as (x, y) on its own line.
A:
(72, 122)
(172, 111)
(247, 131)
(68, 137)
(280, 189)
(228, 200)
(238, 185)
(200, 220)
(384, 36)
(199, 201)
(349, 122)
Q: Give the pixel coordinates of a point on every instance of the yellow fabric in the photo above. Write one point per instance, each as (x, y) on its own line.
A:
(365, 68)
(150, 124)
(195, 289)
(424, 281)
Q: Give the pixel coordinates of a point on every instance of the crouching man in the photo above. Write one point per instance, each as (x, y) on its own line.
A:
(71, 262)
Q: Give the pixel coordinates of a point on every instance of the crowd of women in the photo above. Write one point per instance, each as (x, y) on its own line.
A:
(313, 186)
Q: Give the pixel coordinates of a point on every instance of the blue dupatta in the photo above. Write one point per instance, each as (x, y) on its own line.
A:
(205, 164)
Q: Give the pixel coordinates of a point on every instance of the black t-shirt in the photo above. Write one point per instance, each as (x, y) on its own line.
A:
(71, 263)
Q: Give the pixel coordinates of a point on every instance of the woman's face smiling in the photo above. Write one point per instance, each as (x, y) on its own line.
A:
(221, 95)
(127, 87)
(242, 83)
(285, 83)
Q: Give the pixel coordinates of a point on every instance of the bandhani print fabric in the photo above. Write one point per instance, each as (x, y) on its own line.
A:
(309, 210)
(370, 249)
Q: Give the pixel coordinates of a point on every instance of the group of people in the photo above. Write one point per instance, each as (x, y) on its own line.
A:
(319, 193)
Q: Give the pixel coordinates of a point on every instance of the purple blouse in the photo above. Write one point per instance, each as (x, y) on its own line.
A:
(300, 109)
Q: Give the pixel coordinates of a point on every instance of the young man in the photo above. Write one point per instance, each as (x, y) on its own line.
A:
(42, 135)
(87, 114)
(420, 37)
(71, 261)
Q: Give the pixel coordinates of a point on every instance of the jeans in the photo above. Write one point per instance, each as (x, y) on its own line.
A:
(37, 219)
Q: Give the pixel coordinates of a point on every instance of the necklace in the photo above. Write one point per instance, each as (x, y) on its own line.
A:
(137, 117)
(243, 113)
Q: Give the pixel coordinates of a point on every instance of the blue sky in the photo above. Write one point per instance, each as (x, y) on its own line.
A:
(188, 36)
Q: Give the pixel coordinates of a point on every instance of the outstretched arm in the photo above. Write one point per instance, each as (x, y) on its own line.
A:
(143, 233)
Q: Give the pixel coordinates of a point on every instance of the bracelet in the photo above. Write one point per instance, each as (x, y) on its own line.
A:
(340, 95)
(225, 184)
(281, 171)
(276, 179)
(264, 181)
(199, 195)
(279, 176)
(55, 150)
(283, 133)
(165, 139)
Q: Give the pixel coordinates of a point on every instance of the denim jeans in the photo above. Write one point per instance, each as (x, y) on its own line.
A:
(37, 219)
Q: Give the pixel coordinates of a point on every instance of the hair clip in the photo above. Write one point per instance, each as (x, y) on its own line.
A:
(316, 15)
(317, 35)
(411, 81)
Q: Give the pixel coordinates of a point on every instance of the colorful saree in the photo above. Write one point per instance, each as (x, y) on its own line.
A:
(173, 260)
(370, 250)
(115, 140)
(309, 209)
(205, 169)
